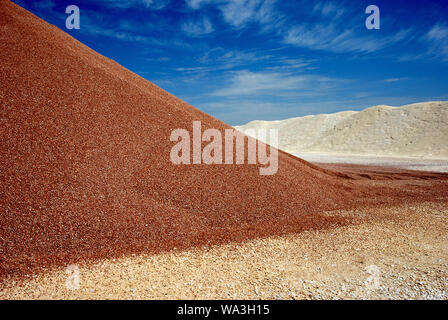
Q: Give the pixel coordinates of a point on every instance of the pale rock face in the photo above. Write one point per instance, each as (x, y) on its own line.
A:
(415, 130)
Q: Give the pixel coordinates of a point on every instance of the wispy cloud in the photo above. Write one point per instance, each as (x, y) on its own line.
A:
(150, 4)
(439, 32)
(192, 69)
(217, 60)
(337, 27)
(198, 28)
(136, 32)
(197, 4)
(394, 79)
(435, 42)
(227, 59)
(437, 38)
(159, 59)
(328, 37)
(239, 13)
(245, 83)
(93, 27)
(228, 65)
(328, 9)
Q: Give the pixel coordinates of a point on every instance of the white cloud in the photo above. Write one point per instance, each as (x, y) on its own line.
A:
(328, 9)
(192, 69)
(96, 24)
(197, 4)
(394, 79)
(123, 32)
(91, 26)
(437, 33)
(226, 59)
(159, 59)
(437, 38)
(198, 28)
(239, 13)
(436, 45)
(326, 37)
(244, 83)
(124, 4)
(220, 59)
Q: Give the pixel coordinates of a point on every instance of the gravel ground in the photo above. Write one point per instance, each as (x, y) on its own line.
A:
(392, 253)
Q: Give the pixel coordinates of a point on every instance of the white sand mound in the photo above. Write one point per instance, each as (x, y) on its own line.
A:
(415, 130)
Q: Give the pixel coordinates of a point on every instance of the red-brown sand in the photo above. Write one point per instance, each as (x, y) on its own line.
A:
(85, 166)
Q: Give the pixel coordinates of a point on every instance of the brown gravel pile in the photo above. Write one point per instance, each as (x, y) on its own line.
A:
(85, 171)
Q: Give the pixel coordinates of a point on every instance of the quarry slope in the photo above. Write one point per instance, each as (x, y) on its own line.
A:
(415, 130)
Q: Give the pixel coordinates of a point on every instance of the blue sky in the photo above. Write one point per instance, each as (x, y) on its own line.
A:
(241, 60)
